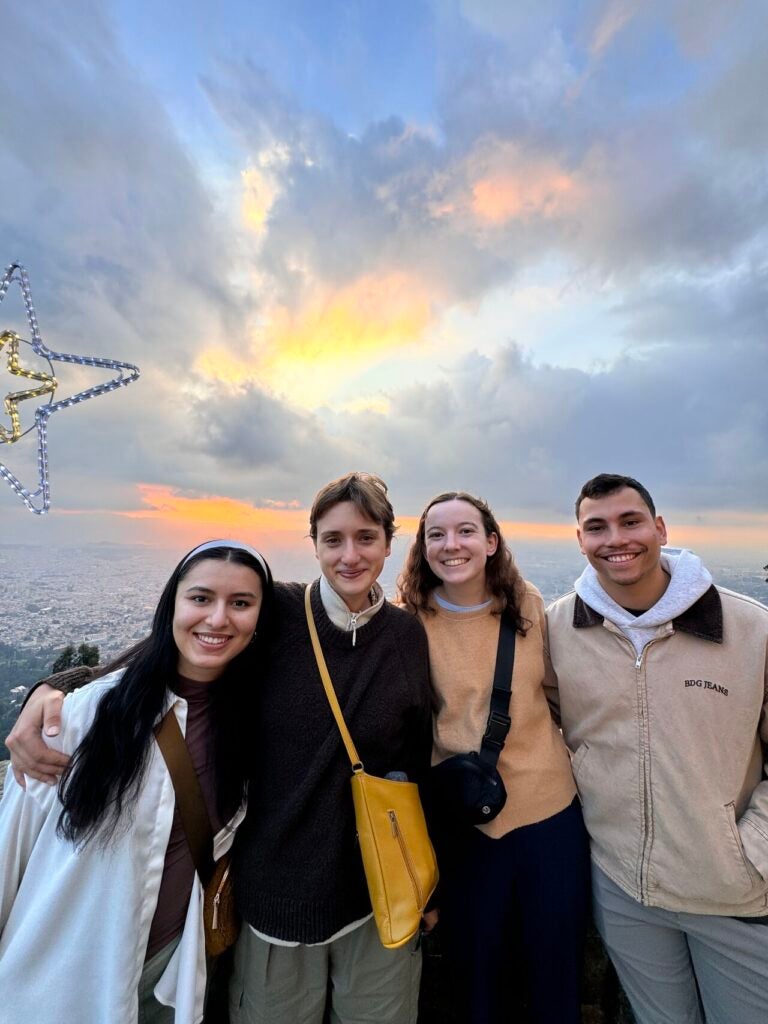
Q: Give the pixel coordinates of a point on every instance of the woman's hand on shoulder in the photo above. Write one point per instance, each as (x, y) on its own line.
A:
(30, 755)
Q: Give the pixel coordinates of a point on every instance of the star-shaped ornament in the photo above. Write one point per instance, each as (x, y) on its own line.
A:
(38, 501)
(11, 401)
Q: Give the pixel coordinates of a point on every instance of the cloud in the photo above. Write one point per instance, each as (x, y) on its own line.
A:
(690, 419)
(334, 332)
(615, 16)
(298, 318)
(257, 448)
(731, 112)
(110, 213)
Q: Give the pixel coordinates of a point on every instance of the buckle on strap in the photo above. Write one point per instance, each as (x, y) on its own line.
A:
(497, 729)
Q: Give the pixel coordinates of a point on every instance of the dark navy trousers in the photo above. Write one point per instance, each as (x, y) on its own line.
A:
(513, 914)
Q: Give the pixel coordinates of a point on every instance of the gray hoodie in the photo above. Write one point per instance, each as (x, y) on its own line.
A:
(689, 580)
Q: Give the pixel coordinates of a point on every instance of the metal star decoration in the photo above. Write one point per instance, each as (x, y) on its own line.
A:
(11, 402)
(38, 501)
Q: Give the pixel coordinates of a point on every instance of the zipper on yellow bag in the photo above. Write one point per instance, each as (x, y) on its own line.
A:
(407, 858)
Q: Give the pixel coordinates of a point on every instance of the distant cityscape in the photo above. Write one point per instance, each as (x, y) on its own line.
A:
(105, 594)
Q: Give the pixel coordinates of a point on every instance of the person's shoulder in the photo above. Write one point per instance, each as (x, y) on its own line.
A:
(403, 619)
(78, 710)
(562, 604)
(532, 595)
(86, 696)
(735, 603)
(287, 594)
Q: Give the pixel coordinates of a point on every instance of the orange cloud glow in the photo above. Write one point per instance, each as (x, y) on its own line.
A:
(181, 520)
(502, 197)
(372, 313)
(308, 353)
(499, 181)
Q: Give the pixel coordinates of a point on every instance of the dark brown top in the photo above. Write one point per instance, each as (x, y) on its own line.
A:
(179, 870)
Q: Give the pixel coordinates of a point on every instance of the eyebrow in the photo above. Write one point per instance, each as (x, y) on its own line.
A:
(207, 590)
(326, 534)
(622, 515)
(465, 522)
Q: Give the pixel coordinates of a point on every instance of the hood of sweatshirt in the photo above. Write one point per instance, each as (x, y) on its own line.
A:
(689, 580)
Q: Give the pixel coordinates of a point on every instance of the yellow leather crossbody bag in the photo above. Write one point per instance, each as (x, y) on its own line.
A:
(398, 857)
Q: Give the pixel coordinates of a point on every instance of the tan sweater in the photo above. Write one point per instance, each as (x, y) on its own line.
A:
(534, 763)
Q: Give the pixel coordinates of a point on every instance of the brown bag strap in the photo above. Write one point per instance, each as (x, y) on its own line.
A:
(357, 764)
(189, 795)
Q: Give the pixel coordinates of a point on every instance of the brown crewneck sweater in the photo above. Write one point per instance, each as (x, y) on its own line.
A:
(534, 763)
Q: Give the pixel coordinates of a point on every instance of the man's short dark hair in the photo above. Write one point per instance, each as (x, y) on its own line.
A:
(608, 483)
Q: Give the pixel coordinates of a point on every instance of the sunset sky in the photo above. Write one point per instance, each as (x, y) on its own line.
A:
(481, 244)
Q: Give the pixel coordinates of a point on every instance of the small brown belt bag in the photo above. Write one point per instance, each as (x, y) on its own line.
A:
(398, 858)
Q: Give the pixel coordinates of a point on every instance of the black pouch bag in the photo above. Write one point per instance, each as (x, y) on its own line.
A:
(467, 790)
(467, 787)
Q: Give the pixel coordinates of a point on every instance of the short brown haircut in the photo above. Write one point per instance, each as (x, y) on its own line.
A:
(365, 490)
(608, 483)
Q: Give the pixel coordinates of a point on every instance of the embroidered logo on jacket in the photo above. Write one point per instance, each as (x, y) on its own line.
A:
(706, 684)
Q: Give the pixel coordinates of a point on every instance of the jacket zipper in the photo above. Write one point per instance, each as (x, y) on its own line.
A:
(645, 852)
(353, 626)
(407, 858)
(217, 899)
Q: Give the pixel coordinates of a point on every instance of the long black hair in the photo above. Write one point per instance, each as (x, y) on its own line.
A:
(108, 766)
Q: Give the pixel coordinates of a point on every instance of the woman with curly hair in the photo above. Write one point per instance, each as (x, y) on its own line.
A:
(516, 885)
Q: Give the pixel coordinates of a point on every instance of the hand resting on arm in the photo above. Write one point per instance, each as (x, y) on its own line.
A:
(29, 753)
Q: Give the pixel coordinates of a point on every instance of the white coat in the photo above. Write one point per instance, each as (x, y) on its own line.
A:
(74, 923)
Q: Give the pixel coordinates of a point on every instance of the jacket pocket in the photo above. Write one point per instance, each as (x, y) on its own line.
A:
(754, 876)
(577, 760)
(699, 857)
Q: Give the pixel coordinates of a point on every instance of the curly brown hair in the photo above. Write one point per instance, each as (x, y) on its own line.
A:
(504, 582)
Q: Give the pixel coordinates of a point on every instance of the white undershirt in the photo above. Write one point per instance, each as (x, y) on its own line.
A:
(460, 607)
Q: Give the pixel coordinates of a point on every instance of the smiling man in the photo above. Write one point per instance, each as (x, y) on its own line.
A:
(661, 682)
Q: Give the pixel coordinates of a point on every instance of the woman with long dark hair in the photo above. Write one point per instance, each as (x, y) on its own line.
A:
(514, 890)
(100, 904)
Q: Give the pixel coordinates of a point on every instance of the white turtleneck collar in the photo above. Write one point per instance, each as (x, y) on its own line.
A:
(340, 615)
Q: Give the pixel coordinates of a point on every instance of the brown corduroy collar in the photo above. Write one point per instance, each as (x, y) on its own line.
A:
(703, 619)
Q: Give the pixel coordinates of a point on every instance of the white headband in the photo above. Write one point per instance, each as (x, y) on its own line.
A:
(237, 544)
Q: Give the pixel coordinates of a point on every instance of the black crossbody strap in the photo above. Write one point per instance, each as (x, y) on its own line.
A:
(497, 727)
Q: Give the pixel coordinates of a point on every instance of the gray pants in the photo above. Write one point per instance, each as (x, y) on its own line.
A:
(150, 1010)
(288, 984)
(683, 968)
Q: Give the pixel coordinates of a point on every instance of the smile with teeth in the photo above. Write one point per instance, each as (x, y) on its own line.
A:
(626, 556)
(211, 639)
(455, 561)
